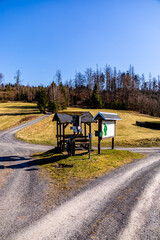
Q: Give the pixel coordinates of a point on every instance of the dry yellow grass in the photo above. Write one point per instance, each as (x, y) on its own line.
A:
(128, 134)
(15, 113)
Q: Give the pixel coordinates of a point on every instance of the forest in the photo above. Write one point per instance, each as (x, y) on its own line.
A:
(108, 88)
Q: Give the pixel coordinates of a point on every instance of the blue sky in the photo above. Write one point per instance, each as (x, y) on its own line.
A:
(39, 37)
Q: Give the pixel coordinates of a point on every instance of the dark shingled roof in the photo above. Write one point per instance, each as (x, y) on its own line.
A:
(107, 116)
(86, 117)
(62, 118)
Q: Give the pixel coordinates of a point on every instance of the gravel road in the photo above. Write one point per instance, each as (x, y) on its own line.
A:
(124, 205)
(21, 192)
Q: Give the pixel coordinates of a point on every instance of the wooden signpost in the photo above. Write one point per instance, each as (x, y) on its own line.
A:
(90, 137)
(106, 127)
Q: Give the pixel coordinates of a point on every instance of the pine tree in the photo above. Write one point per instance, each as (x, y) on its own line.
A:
(96, 100)
(42, 99)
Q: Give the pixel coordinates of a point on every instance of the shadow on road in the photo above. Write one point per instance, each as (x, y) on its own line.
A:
(31, 162)
(13, 158)
(28, 161)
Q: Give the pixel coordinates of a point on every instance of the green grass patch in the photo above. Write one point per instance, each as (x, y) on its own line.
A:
(70, 173)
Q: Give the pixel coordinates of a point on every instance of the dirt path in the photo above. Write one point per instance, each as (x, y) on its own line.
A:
(122, 205)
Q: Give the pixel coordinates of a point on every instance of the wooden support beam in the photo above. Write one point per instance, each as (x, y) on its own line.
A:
(57, 133)
(112, 143)
(99, 138)
(65, 125)
(73, 148)
(60, 135)
(89, 127)
(115, 135)
(90, 130)
(85, 130)
(63, 137)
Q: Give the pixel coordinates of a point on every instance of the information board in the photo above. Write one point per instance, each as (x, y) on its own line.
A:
(108, 129)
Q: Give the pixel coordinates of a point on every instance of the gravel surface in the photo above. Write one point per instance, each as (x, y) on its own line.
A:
(101, 211)
(21, 192)
(125, 204)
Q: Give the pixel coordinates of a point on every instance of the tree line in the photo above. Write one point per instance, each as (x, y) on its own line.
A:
(107, 88)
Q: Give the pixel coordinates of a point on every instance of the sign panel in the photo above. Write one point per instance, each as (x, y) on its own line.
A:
(98, 134)
(108, 129)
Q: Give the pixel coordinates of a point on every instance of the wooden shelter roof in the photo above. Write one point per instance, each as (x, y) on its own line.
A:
(107, 116)
(86, 117)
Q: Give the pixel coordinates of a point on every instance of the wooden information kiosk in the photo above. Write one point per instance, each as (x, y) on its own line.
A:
(79, 122)
(106, 127)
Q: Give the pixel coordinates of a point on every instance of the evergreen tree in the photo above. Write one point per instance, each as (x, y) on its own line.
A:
(96, 100)
(64, 102)
(52, 106)
(42, 99)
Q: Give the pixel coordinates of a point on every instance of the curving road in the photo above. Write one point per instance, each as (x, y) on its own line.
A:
(21, 192)
(125, 204)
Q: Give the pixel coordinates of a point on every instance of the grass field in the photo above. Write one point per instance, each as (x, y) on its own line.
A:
(71, 173)
(128, 134)
(15, 113)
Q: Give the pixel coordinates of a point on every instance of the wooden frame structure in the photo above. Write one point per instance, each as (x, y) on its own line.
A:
(105, 116)
(63, 120)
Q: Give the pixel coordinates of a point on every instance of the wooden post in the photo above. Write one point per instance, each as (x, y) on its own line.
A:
(112, 143)
(63, 145)
(64, 126)
(115, 135)
(90, 132)
(69, 147)
(99, 138)
(85, 130)
(60, 136)
(57, 133)
(73, 148)
(89, 146)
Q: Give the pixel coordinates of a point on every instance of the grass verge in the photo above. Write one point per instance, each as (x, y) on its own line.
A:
(68, 174)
